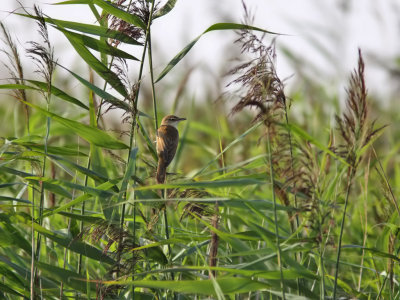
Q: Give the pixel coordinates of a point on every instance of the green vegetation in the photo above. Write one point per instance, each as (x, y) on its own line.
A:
(258, 204)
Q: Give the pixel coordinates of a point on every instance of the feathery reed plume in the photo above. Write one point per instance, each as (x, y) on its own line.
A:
(124, 244)
(261, 87)
(356, 131)
(15, 69)
(354, 126)
(43, 54)
(259, 81)
(140, 8)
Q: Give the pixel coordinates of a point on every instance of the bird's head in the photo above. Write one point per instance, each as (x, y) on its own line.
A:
(171, 120)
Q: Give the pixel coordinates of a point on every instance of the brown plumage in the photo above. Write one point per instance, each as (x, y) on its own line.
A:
(167, 142)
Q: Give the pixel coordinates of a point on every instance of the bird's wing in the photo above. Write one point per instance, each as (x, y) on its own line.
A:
(167, 142)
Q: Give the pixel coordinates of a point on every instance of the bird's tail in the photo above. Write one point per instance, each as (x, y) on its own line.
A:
(161, 171)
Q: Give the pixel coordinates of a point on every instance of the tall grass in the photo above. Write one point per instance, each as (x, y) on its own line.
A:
(260, 205)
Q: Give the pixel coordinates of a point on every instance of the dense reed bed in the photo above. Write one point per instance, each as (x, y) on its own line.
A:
(267, 197)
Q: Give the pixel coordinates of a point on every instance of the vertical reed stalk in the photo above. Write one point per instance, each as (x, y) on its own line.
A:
(271, 173)
(32, 284)
(132, 135)
(350, 179)
(296, 255)
(321, 262)
(215, 217)
(386, 277)
(82, 214)
(42, 190)
(365, 235)
(153, 92)
(94, 123)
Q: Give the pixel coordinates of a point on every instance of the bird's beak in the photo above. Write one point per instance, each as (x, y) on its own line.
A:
(182, 119)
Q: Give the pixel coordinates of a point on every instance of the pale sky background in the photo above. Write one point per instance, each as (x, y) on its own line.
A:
(325, 34)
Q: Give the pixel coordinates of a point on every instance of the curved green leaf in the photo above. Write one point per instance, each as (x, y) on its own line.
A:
(130, 170)
(91, 134)
(103, 94)
(218, 26)
(11, 236)
(98, 45)
(104, 186)
(374, 251)
(203, 184)
(15, 86)
(88, 28)
(69, 278)
(66, 184)
(43, 86)
(65, 163)
(6, 289)
(6, 198)
(236, 270)
(150, 145)
(234, 142)
(119, 13)
(230, 285)
(87, 219)
(58, 93)
(71, 243)
(39, 150)
(305, 136)
(165, 9)
(103, 71)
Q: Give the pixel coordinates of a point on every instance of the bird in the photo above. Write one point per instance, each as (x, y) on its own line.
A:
(167, 142)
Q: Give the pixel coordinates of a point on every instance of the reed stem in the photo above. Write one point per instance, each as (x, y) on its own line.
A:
(271, 172)
(351, 175)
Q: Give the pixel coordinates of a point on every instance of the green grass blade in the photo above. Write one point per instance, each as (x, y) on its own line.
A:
(119, 13)
(15, 86)
(88, 172)
(234, 270)
(66, 184)
(47, 185)
(88, 219)
(149, 143)
(69, 278)
(130, 170)
(233, 143)
(58, 93)
(218, 26)
(88, 28)
(307, 137)
(6, 198)
(98, 45)
(104, 186)
(102, 70)
(6, 289)
(100, 92)
(38, 149)
(91, 134)
(10, 235)
(43, 86)
(230, 285)
(165, 9)
(204, 184)
(74, 245)
(374, 251)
